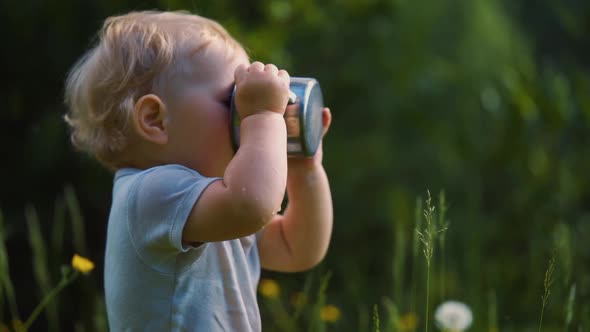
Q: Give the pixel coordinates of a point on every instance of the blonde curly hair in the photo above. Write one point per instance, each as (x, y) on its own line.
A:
(135, 55)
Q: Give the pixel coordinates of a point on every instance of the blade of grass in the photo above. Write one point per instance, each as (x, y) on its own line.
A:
(317, 324)
(283, 321)
(415, 251)
(299, 306)
(428, 237)
(5, 273)
(40, 265)
(569, 308)
(562, 238)
(547, 285)
(85, 288)
(77, 220)
(392, 314)
(273, 302)
(376, 327)
(492, 311)
(99, 318)
(58, 227)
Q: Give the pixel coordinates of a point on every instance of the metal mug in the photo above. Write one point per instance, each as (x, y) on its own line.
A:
(303, 118)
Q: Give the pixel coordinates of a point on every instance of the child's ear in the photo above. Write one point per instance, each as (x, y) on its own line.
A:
(149, 117)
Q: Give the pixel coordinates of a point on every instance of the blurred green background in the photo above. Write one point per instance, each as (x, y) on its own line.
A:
(486, 100)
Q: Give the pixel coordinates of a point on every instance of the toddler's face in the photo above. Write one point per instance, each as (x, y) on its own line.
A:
(199, 111)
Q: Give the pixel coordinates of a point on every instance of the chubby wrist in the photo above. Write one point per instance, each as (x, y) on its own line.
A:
(305, 177)
(304, 167)
(265, 117)
(263, 126)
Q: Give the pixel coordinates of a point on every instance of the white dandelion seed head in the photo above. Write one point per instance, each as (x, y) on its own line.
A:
(453, 316)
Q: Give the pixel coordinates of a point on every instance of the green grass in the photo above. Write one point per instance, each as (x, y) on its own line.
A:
(422, 274)
(547, 286)
(43, 272)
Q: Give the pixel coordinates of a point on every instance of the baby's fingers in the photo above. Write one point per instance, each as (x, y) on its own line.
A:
(271, 69)
(256, 66)
(240, 72)
(284, 75)
(326, 119)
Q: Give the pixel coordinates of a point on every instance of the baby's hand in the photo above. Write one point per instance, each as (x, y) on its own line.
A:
(261, 88)
(305, 164)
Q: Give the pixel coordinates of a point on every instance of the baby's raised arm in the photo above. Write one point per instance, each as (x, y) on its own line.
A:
(253, 186)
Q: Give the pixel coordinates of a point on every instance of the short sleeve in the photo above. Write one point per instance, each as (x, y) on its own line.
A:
(160, 202)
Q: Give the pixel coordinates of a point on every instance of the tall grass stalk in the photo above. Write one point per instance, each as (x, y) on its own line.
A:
(427, 239)
(86, 289)
(376, 327)
(547, 285)
(6, 282)
(415, 250)
(40, 265)
(77, 220)
(569, 307)
(392, 314)
(58, 227)
(428, 236)
(492, 311)
(562, 238)
(428, 249)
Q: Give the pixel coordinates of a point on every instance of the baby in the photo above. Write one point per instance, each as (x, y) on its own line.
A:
(191, 222)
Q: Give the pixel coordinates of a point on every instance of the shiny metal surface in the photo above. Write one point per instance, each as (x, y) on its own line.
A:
(303, 118)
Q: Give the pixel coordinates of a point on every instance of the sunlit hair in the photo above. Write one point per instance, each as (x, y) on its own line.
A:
(134, 56)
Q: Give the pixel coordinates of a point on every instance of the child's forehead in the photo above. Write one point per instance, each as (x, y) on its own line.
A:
(213, 64)
(214, 56)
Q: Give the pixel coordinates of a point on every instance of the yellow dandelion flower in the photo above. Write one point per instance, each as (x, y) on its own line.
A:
(269, 288)
(330, 313)
(82, 264)
(408, 322)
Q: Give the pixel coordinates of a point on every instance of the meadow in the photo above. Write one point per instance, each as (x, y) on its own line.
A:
(423, 276)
